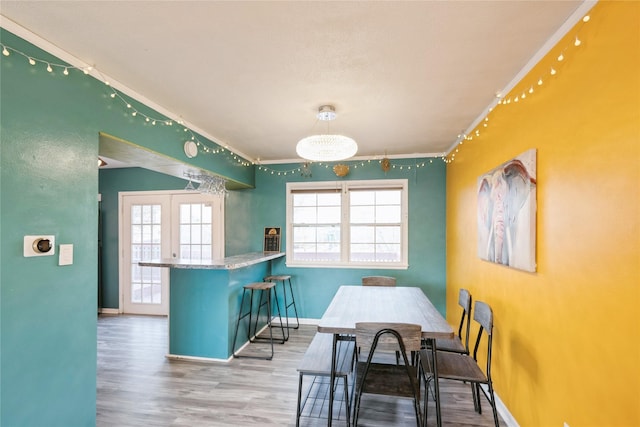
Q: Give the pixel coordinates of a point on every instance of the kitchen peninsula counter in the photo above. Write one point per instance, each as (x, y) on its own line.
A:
(204, 301)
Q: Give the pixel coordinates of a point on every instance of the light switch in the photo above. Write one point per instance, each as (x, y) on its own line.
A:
(66, 255)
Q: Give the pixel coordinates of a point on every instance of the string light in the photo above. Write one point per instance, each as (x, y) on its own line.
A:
(51, 67)
(305, 169)
(520, 98)
(6, 51)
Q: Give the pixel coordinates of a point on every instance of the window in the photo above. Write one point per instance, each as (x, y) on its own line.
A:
(348, 224)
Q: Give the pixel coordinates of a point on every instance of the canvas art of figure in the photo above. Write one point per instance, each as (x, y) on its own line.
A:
(507, 213)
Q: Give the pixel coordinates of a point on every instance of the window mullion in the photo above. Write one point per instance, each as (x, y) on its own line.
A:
(345, 226)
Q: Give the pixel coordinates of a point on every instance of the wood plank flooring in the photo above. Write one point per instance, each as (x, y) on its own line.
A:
(139, 386)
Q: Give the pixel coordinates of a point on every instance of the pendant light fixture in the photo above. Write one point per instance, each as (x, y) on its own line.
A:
(326, 147)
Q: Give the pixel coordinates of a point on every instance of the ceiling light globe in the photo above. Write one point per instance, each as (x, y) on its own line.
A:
(326, 148)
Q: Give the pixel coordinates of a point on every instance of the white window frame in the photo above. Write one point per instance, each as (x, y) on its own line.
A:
(344, 187)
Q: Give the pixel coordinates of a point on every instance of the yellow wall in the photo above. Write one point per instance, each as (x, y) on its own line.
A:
(566, 337)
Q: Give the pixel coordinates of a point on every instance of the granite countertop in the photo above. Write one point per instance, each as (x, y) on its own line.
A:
(228, 263)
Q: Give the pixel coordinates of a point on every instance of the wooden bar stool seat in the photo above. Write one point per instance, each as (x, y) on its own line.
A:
(264, 300)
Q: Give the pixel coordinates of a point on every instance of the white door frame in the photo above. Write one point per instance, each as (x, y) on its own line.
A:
(170, 221)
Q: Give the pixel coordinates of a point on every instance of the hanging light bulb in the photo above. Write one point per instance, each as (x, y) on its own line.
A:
(5, 51)
(553, 71)
(32, 61)
(66, 71)
(49, 69)
(577, 42)
(561, 57)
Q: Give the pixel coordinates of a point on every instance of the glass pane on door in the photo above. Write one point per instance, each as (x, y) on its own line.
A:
(195, 231)
(146, 244)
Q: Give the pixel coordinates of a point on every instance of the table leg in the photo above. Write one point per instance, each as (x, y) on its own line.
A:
(436, 387)
(332, 379)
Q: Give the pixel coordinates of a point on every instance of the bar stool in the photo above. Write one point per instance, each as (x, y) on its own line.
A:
(292, 303)
(263, 287)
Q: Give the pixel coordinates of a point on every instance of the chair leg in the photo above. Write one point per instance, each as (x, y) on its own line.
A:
(269, 322)
(284, 338)
(240, 316)
(493, 405)
(298, 412)
(292, 303)
(286, 313)
(346, 401)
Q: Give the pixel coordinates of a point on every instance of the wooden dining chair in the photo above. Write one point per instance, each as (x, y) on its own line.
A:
(457, 344)
(386, 378)
(378, 281)
(464, 367)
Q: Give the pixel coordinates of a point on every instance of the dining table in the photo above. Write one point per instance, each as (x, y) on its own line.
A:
(393, 304)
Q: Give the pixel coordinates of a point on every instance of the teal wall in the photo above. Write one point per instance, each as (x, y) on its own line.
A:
(49, 127)
(112, 181)
(49, 181)
(250, 211)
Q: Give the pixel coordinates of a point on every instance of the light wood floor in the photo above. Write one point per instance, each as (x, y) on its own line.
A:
(139, 386)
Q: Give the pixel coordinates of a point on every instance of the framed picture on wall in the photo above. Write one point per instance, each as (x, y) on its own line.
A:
(507, 213)
(271, 239)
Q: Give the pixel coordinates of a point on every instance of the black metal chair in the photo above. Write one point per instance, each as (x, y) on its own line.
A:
(464, 367)
(385, 378)
(457, 344)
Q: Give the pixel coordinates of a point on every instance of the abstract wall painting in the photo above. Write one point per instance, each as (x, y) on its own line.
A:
(507, 213)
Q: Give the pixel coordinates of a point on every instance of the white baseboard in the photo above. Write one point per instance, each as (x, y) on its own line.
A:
(302, 321)
(109, 311)
(503, 411)
(198, 359)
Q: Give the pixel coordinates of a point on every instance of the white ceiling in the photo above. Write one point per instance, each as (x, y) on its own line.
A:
(405, 77)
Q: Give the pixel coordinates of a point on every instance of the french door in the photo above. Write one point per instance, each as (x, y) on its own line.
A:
(163, 225)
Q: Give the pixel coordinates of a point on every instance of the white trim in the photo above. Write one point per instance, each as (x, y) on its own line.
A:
(502, 409)
(110, 311)
(356, 158)
(56, 51)
(345, 188)
(198, 359)
(573, 19)
(300, 320)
